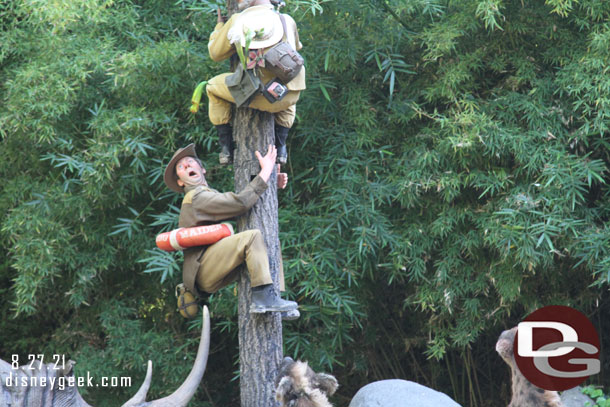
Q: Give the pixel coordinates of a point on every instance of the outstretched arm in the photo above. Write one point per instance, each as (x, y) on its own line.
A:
(219, 46)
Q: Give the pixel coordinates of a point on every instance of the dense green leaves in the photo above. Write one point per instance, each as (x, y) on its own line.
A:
(448, 167)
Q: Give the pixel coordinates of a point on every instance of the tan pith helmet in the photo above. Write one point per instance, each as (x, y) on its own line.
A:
(169, 177)
(260, 19)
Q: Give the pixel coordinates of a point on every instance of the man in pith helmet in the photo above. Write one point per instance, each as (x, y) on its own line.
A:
(209, 268)
(256, 16)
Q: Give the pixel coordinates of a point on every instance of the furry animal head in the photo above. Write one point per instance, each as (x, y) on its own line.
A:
(299, 386)
(524, 393)
(504, 346)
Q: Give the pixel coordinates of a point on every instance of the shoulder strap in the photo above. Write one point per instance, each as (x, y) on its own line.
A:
(188, 198)
(283, 26)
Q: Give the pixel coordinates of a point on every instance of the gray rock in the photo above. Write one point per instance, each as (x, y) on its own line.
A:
(574, 398)
(400, 393)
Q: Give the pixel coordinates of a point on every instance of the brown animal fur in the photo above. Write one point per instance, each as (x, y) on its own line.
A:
(299, 386)
(525, 394)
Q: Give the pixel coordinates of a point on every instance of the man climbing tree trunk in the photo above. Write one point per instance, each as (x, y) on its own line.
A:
(260, 335)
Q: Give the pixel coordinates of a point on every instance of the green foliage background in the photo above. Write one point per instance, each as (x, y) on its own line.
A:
(448, 169)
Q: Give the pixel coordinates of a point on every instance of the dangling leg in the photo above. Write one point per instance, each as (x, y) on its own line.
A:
(225, 138)
(219, 111)
(281, 134)
(218, 265)
(283, 122)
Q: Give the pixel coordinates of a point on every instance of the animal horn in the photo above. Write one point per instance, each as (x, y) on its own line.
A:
(185, 392)
(140, 396)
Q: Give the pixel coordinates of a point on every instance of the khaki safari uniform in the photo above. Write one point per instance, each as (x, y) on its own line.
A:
(209, 268)
(220, 98)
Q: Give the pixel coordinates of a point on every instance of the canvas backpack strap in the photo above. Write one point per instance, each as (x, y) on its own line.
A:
(283, 26)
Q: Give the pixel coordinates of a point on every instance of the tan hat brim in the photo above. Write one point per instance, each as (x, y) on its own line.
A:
(169, 177)
(251, 17)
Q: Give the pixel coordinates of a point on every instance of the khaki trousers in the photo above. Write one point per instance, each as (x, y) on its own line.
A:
(220, 101)
(219, 261)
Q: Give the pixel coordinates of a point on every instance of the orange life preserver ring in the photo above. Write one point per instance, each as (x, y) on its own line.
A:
(180, 239)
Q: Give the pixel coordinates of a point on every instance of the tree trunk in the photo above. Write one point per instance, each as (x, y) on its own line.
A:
(260, 335)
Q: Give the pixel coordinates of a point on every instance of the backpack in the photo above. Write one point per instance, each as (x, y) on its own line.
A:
(282, 60)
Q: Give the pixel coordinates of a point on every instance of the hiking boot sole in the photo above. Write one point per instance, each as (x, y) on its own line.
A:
(262, 310)
(224, 159)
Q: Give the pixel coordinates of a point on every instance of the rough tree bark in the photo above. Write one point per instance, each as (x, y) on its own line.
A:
(260, 335)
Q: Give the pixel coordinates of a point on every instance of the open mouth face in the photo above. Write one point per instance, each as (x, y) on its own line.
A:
(189, 171)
